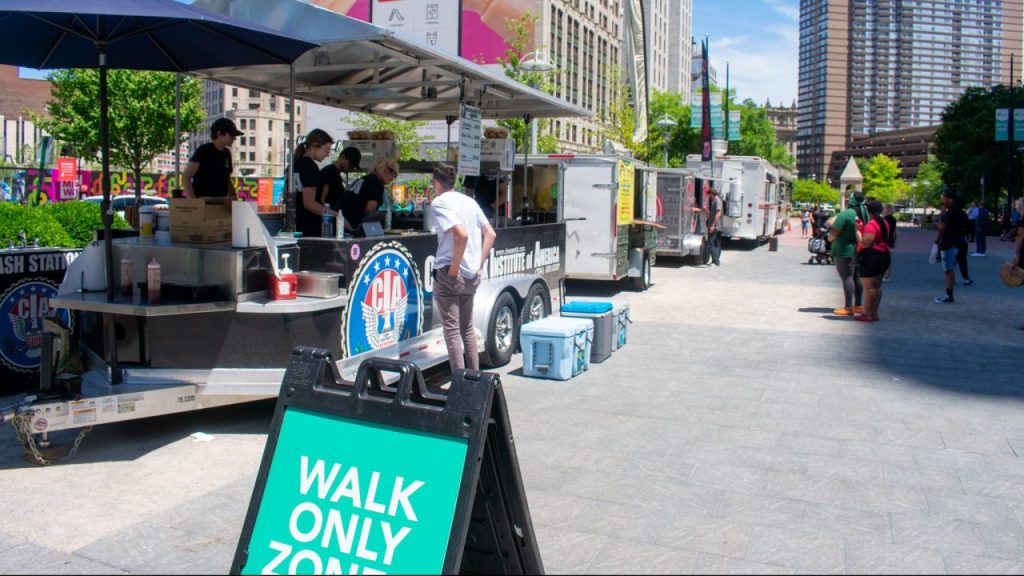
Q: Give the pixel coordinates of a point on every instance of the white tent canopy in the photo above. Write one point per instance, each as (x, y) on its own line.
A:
(365, 68)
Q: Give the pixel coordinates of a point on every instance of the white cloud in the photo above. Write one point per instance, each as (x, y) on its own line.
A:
(761, 66)
(790, 10)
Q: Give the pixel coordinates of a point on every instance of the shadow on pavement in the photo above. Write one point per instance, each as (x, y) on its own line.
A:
(599, 288)
(133, 439)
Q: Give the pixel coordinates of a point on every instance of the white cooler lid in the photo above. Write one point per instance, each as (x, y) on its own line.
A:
(557, 326)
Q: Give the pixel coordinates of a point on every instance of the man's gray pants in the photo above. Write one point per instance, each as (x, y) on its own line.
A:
(454, 300)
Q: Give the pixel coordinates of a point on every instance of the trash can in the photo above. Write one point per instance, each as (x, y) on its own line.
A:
(605, 334)
(556, 348)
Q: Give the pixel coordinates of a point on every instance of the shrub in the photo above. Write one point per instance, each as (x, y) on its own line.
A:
(80, 219)
(36, 223)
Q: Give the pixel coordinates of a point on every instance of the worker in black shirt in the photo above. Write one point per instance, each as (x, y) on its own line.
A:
(366, 194)
(209, 169)
(490, 193)
(335, 174)
(309, 210)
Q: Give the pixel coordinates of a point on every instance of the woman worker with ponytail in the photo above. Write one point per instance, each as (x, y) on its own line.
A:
(309, 210)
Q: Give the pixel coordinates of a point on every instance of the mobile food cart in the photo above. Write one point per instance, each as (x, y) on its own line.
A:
(216, 336)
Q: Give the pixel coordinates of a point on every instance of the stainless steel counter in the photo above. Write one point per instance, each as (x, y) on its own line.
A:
(97, 302)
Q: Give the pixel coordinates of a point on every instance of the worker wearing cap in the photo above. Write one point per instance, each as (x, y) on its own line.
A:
(209, 169)
(335, 175)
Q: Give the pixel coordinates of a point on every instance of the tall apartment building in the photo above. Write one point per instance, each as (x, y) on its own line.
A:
(264, 118)
(870, 66)
(668, 24)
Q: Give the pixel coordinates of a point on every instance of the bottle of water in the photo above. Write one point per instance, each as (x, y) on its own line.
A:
(327, 228)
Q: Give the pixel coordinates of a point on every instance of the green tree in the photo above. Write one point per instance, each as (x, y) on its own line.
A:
(814, 192)
(757, 136)
(927, 186)
(407, 136)
(515, 50)
(141, 114)
(965, 143)
(883, 179)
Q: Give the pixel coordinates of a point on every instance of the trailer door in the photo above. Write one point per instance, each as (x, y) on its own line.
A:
(675, 193)
(588, 194)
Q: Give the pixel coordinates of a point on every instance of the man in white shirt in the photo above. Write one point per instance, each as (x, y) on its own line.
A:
(464, 240)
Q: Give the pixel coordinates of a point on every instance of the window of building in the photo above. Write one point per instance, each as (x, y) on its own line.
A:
(252, 156)
(234, 91)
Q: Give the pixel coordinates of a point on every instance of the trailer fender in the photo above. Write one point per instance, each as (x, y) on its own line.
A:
(693, 244)
(636, 262)
(487, 295)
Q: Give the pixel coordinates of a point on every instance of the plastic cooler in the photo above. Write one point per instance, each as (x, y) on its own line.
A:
(556, 348)
(620, 312)
(605, 330)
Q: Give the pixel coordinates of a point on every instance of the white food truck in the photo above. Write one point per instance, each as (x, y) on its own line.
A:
(752, 193)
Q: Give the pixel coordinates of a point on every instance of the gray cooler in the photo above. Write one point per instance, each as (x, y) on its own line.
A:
(605, 329)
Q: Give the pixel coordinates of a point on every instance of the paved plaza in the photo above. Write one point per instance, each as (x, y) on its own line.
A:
(743, 429)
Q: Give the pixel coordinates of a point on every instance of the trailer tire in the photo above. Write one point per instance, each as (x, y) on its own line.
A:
(536, 306)
(643, 281)
(502, 332)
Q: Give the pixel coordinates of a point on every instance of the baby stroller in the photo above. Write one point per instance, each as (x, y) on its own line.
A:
(819, 246)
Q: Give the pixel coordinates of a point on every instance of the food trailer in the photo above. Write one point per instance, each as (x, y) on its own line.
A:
(214, 334)
(609, 207)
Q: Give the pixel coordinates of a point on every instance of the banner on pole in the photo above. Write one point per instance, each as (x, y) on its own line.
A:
(734, 125)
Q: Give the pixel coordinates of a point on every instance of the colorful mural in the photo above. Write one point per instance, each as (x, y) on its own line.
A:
(121, 182)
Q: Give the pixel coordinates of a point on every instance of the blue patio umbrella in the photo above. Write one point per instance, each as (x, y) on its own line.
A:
(162, 35)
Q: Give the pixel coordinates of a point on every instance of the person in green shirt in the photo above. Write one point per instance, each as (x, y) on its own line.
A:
(843, 234)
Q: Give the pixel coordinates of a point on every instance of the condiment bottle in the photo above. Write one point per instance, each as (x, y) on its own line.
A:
(153, 280)
(286, 284)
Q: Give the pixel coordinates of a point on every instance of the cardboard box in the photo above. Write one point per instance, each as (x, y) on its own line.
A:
(201, 220)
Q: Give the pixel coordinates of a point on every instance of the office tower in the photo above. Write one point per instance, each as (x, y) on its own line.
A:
(870, 66)
(668, 24)
(265, 120)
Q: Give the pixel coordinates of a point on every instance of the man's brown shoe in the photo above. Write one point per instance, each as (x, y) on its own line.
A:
(842, 312)
(858, 309)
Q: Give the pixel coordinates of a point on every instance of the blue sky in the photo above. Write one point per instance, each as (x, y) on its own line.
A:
(759, 38)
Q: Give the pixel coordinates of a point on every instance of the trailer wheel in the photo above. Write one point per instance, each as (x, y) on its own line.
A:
(643, 281)
(536, 306)
(502, 332)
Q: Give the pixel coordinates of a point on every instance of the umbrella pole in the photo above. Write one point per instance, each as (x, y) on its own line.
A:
(291, 215)
(177, 132)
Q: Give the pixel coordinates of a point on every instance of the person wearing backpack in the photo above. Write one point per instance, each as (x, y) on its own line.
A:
(890, 221)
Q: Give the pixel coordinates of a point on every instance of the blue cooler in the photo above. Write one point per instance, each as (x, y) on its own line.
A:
(556, 348)
(620, 313)
(605, 332)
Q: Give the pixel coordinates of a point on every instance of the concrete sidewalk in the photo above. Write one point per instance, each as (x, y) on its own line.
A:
(743, 429)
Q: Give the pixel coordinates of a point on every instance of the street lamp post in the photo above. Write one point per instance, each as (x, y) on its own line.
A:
(665, 124)
(537, 63)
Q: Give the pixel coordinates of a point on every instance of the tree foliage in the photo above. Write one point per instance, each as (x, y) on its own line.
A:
(407, 136)
(756, 132)
(883, 179)
(511, 64)
(966, 147)
(141, 114)
(927, 186)
(814, 192)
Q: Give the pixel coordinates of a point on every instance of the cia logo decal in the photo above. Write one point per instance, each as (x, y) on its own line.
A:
(23, 308)
(384, 303)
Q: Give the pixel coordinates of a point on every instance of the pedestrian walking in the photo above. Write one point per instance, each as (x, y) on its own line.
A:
(962, 249)
(951, 233)
(890, 221)
(873, 259)
(983, 223)
(805, 222)
(972, 219)
(843, 235)
(464, 240)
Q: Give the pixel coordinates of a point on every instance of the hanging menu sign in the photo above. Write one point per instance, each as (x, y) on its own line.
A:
(469, 140)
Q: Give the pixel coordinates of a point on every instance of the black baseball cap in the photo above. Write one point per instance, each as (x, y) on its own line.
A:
(354, 156)
(226, 126)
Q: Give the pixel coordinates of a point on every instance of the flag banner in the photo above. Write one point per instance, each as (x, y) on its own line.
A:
(734, 125)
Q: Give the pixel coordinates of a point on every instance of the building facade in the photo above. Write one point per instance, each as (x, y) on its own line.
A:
(909, 146)
(784, 121)
(265, 120)
(668, 26)
(871, 66)
(20, 97)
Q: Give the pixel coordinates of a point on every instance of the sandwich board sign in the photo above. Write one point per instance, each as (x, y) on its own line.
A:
(374, 478)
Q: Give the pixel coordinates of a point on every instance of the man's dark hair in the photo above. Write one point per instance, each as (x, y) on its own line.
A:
(445, 174)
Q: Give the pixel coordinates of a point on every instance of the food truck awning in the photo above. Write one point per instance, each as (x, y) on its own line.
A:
(366, 68)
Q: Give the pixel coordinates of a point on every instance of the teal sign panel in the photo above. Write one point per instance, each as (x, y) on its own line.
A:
(734, 125)
(354, 497)
(1002, 124)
